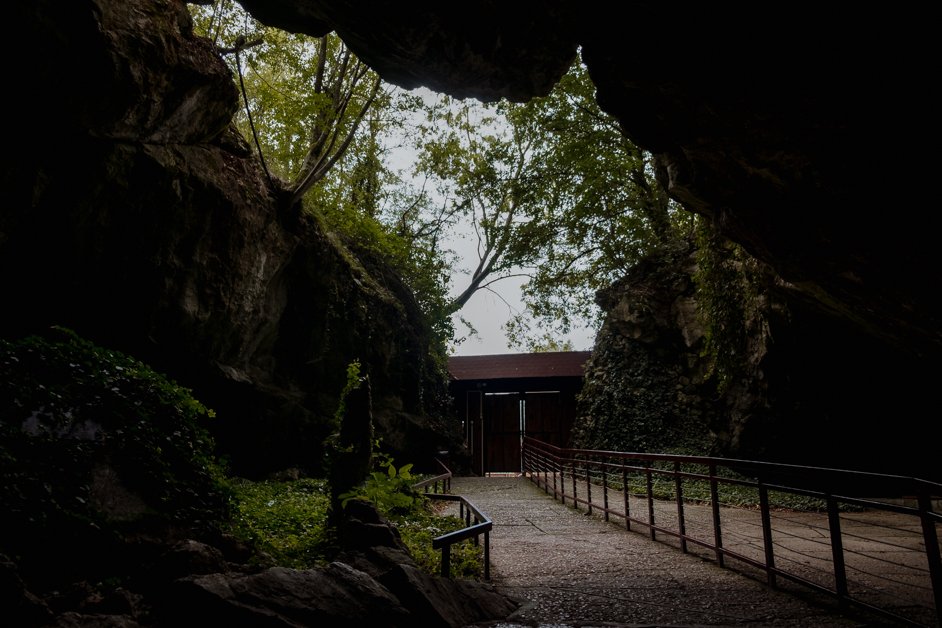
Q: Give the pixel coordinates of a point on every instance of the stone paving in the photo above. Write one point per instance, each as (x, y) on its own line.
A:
(570, 569)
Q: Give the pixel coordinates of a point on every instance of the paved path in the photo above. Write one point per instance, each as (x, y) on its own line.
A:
(574, 570)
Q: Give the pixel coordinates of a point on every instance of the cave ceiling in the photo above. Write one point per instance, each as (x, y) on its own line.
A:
(801, 133)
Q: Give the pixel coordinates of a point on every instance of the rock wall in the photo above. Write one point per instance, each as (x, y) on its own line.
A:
(800, 137)
(646, 386)
(808, 390)
(790, 132)
(136, 216)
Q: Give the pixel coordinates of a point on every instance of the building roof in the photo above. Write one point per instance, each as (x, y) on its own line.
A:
(517, 365)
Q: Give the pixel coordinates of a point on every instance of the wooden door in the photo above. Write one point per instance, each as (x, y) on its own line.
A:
(474, 429)
(543, 416)
(502, 427)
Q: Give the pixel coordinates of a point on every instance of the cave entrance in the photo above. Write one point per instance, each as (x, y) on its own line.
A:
(502, 398)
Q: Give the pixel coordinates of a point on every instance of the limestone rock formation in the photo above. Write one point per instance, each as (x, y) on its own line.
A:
(139, 218)
(775, 130)
(805, 389)
(796, 133)
(645, 386)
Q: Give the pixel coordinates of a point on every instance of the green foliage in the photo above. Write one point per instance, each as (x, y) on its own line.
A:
(728, 301)
(80, 427)
(322, 118)
(307, 96)
(730, 494)
(68, 394)
(551, 190)
(353, 382)
(600, 207)
(521, 333)
(286, 520)
(389, 489)
(422, 525)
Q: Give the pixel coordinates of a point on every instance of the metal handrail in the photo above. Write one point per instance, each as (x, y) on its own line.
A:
(550, 467)
(444, 479)
(466, 511)
(482, 525)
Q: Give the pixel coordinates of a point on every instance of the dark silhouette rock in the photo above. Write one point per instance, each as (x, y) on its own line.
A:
(646, 385)
(777, 134)
(774, 132)
(435, 601)
(338, 595)
(154, 231)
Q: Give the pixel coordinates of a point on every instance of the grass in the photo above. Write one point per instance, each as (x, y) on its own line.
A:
(730, 493)
(288, 522)
(285, 520)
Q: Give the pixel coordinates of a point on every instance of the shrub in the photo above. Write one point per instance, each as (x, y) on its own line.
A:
(286, 520)
(93, 444)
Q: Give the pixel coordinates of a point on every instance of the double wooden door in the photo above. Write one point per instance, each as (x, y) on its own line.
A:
(499, 421)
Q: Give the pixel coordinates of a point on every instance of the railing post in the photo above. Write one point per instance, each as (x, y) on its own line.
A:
(545, 463)
(562, 480)
(767, 532)
(487, 555)
(681, 525)
(650, 487)
(557, 471)
(624, 488)
(605, 489)
(931, 539)
(588, 485)
(526, 464)
(572, 469)
(717, 530)
(837, 549)
(446, 561)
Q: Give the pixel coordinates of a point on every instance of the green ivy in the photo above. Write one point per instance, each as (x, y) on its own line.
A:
(71, 413)
(286, 520)
(424, 524)
(353, 382)
(727, 281)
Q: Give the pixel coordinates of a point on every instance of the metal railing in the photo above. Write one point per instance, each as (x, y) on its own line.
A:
(870, 540)
(476, 522)
(432, 484)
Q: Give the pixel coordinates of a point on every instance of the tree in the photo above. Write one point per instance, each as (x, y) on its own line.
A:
(321, 119)
(552, 190)
(306, 98)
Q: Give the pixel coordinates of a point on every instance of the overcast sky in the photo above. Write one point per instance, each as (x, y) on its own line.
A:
(487, 310)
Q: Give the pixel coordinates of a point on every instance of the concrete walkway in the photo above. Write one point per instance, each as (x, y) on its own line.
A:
(573, 570)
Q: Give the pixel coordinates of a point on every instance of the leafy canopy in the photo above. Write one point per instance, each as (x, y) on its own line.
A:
(550, 190)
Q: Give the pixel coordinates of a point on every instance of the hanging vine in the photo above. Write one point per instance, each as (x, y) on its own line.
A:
(728, 301)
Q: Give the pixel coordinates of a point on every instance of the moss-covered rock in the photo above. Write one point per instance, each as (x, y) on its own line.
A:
(97, 451)
(646, 386)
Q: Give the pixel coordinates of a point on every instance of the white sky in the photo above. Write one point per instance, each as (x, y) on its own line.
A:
(487, 310)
